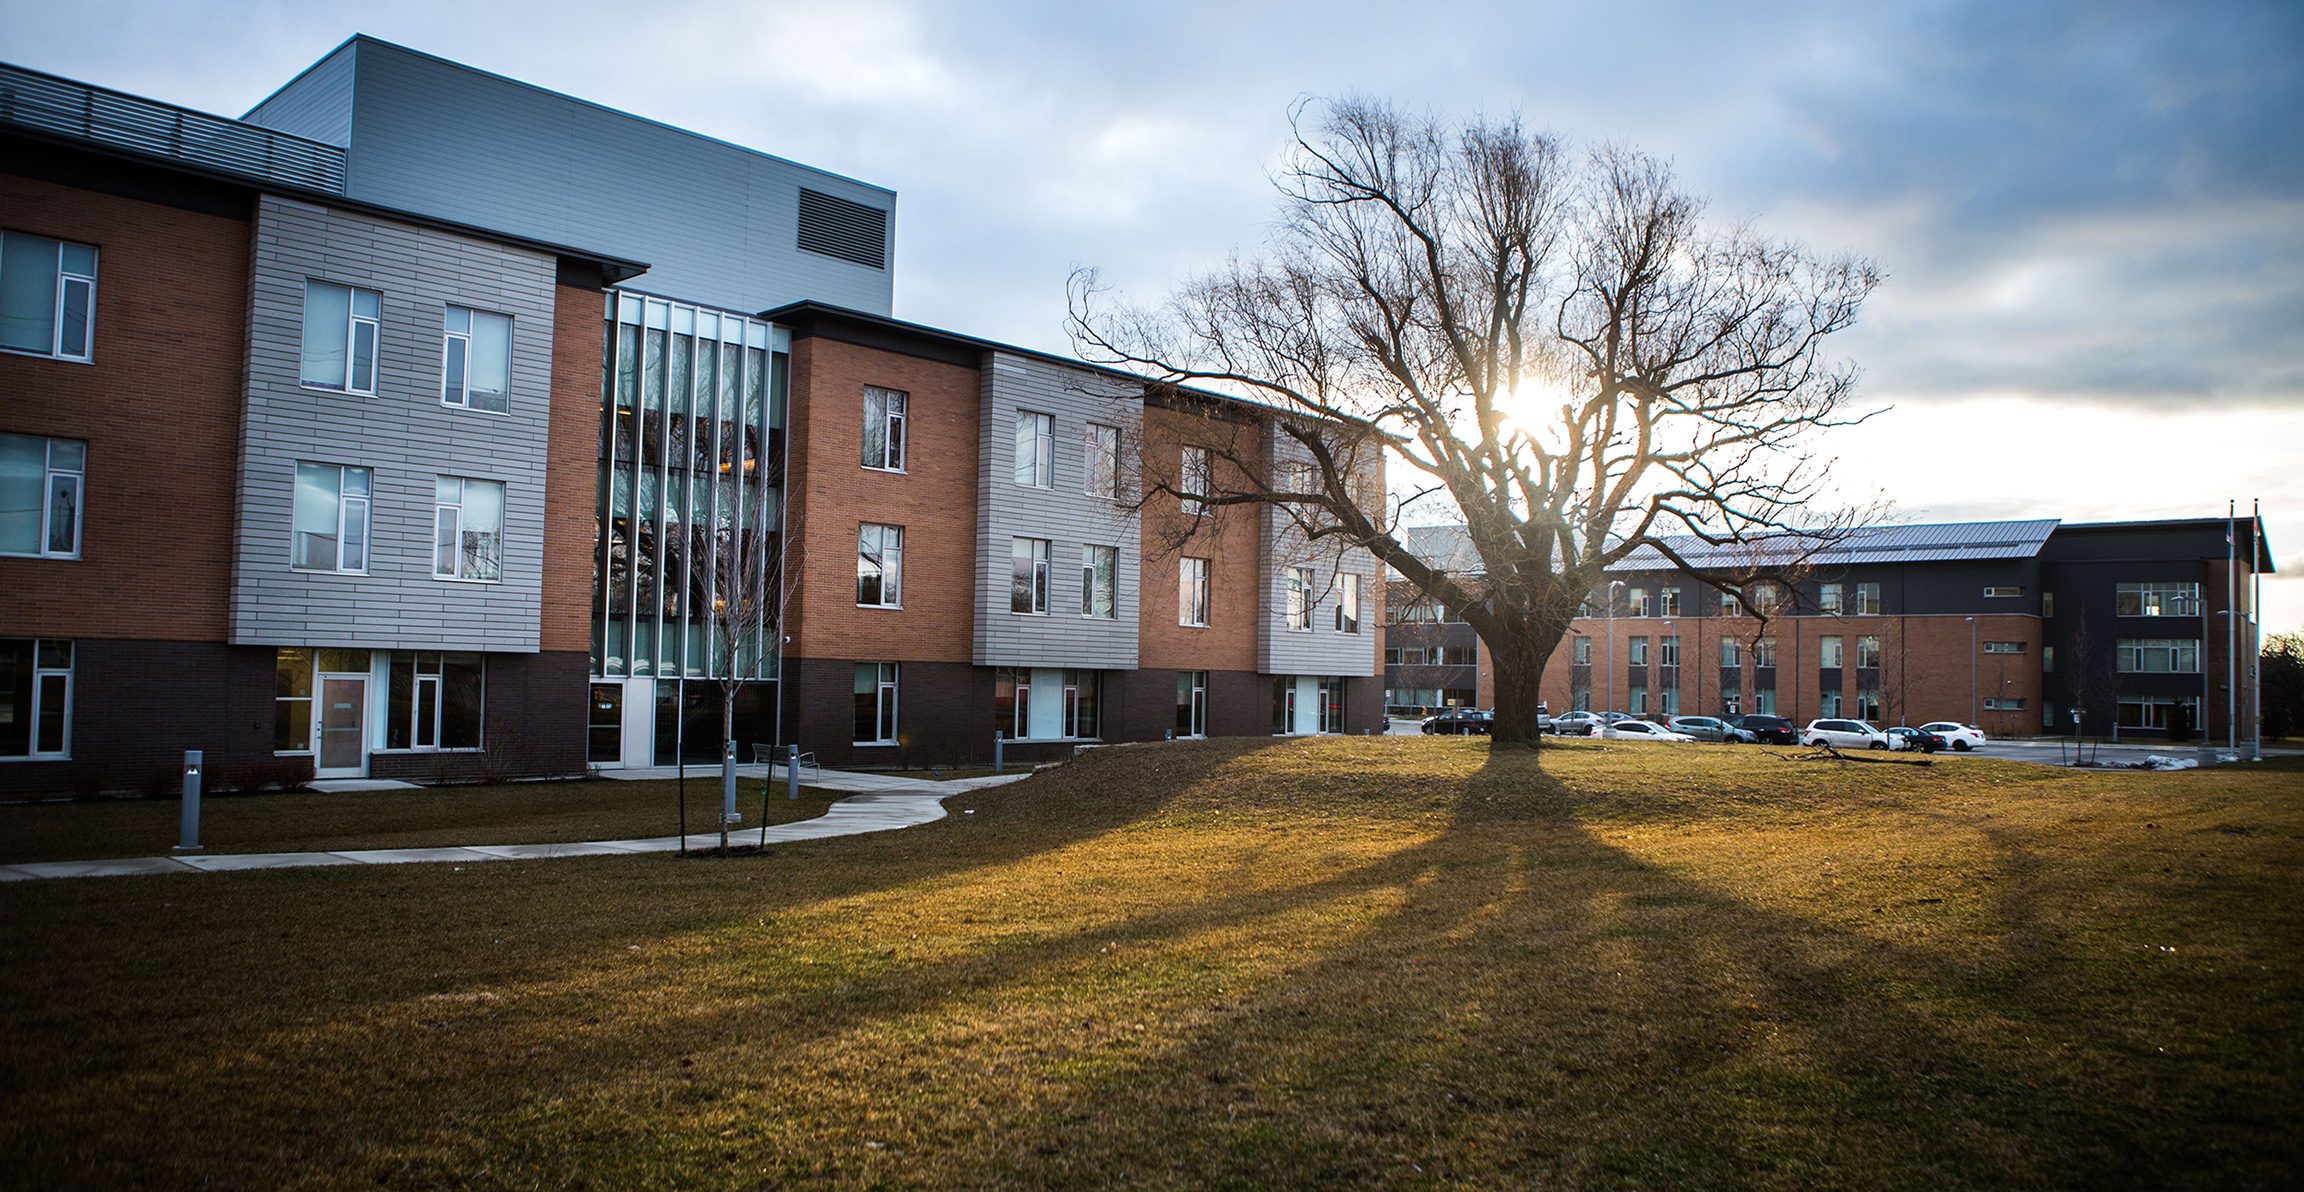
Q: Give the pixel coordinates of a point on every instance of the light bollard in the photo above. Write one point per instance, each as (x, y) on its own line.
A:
(728, 812)
(999, 743)
(792, 773)
(188, 823)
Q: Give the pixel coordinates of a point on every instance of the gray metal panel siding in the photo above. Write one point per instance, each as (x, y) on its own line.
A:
(403, 434)
(1320, 650)
(717, 223)
(318, 103)
(1065, 515)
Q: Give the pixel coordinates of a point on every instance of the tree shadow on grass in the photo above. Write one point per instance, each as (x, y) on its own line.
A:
(1499, 995)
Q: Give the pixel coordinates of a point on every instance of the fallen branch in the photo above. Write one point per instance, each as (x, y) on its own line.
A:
(1822, 752)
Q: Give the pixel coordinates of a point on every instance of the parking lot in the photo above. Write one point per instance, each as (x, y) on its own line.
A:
(2041, 751)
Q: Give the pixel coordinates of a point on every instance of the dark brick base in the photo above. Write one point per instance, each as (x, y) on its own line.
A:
(534, 725)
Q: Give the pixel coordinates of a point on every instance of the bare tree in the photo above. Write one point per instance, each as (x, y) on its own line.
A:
(1557, 343)
(743, 588)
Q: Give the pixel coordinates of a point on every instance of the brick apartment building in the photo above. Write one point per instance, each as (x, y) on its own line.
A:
(424, 490)
(2007, 625)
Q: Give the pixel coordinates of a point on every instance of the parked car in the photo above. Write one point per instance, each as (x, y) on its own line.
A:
(1460, 722)
(1759, 729)
(1962, 737)
(1914, 738)
(1629, 729)
(1844, 734)
(1574, 724)
(1703, 728)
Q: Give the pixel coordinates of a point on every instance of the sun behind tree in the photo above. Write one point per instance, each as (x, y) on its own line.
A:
(1426, 281)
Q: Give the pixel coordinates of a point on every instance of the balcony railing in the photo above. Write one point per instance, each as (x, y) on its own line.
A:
(45, 103)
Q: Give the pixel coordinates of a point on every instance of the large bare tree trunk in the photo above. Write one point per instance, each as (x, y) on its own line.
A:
(1519, 659)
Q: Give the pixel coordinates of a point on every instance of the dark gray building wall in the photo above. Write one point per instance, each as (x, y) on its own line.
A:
(718, 223)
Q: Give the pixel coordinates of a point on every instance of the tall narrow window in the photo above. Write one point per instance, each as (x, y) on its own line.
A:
(35, 697)
(476, 360)
(330, 524)
(884, 414)
(1668, 650)
(1300, 598)
(1028, 575)
(1348, 604)
(875, 703)
(880, 566)
(1191, 703)
(1194, 480)
(1668, 602)
(1868, 652)
(1636, 650)
(1012, 701)
(1828, 653)
(1099, 581)
(1035, 450)
(1636, 602)
(47, 296)
(340, 333)
(1828, 599)
(292, 701)
(1580, 651)
(468, 529)
(1764, 654)
(1102, 476)
(1192, 592)
(40, 486)
(1731, 652)
(1868, 600)
(1731, 605)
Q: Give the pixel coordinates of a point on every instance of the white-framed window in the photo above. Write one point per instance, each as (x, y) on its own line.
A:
(1731, 605)
(1099, 581)
(1764, 652)
(1763, 598)
(1636, 650)
(1300, 599)
(1668, 602)
(879, 566)
(1028, 576)
(1731, 652)
(1191, 703)
(1668, 650)
(292, 700)
(1828, 653)
(41, 482)
(2158, 655)
(1867, 651)
(434, 700)
(1347, 603)
(2157, 600)
(468, 529)
(330, 522)
(1035, 449)
(1012, 701)
(476, 360)
(884, 430)
(1635, 602)
(47, 296)
(2159, 711)
(340, 334)
(1828, 600)
(1101, 478)
(1829, 705)
(1580, 651)
(1192, 592)
(2003, 647)
(1636, 699)
(35, 697)
(1195, 477)
(1868, 705)
(875, 703)
(1868, 600)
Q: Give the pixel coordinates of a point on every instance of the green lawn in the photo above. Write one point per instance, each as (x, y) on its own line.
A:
(1391, 960)
(513, 813)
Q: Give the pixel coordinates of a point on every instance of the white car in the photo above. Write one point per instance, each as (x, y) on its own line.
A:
(1961, 737)
(1845, 734)
(1641, 730)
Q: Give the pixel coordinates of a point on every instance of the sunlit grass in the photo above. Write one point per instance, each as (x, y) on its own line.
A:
(1307, 962)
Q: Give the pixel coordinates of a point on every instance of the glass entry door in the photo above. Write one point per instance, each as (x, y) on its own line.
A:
(343, 726)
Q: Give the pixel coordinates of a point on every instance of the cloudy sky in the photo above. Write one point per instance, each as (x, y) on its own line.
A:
(2092, 215)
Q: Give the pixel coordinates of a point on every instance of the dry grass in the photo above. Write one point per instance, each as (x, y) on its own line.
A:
(1361, 961)
(514, 813)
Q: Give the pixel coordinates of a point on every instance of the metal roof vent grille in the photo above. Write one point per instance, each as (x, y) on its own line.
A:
(836, 227)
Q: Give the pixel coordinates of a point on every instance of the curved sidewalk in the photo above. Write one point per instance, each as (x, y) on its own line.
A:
(872, 811)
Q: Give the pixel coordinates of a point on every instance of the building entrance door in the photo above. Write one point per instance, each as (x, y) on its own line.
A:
(343, 727)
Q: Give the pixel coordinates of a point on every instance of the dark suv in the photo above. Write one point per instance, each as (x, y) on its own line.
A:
(1460, 722)
(1764, 730)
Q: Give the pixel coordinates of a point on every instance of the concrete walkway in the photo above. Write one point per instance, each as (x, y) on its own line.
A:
(878, 808)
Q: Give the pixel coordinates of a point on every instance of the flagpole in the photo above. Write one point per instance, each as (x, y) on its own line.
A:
(2231, 631)
(2256, 628)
